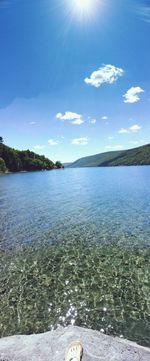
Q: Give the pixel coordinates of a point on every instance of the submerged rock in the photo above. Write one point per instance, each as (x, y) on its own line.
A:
(51, 346)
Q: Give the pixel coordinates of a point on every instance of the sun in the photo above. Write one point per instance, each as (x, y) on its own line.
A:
(84, 10)
(83, 4)
(83, 7)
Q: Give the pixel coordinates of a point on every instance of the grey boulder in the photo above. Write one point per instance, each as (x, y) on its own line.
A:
(51, 346)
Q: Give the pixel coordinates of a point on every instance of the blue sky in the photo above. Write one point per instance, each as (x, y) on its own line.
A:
(74, 75)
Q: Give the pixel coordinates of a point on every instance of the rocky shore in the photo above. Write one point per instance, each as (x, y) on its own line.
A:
(51, 346)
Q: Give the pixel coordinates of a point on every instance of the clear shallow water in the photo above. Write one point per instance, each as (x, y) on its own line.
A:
(75, 250)
(105, 205)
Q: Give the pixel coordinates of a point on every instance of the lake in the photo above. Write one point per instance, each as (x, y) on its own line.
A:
(75, 250)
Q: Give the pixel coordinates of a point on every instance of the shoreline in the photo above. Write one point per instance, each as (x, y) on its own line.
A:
(52, 345)
(30, 171)
(48, 170)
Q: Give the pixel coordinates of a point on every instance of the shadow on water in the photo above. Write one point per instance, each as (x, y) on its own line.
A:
(103, 287)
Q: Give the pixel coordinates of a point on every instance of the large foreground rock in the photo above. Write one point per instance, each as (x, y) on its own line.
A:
(51, 346)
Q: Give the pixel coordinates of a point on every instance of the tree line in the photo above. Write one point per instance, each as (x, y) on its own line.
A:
(15, 161)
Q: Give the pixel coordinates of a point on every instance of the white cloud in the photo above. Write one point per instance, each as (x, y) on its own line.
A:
(123, 131)
(134, 142)
(77, 121)
(74, 117)
(80, 141)
(39, 147)
(114, 147)
(92, 121)
(144, 12)
(106, 74)
(135, 128)
(32, 123)
(104, 117)
(131, 96)
(68, 116)
(110, 138)
(53, 142)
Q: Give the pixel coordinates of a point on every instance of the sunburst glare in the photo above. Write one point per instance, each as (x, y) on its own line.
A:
(83, 5)
(84, 8)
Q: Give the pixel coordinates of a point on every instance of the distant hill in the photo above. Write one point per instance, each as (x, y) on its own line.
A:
(15, 161)
(136, 156)
(67, 164)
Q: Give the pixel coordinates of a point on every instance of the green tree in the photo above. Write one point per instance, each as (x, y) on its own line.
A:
(2, 165)
(58, 164)
(25, 160)
(1, 140)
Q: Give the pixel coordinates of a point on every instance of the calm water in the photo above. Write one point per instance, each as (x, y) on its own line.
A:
(75, 250)
(105, 205)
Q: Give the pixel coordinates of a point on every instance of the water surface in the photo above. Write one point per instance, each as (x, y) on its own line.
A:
(105, 205)
(75, 250)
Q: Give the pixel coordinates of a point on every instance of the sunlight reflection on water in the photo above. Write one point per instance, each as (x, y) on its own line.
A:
(75, 250)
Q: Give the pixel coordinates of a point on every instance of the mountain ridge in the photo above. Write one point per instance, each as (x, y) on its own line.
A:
(135, 156)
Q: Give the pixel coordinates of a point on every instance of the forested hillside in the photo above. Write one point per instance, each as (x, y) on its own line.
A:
(15, 161)
(136, 156)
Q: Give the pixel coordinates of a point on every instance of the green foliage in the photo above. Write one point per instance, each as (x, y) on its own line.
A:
(1, 140)
(136, 156)
(24, 160)
(58, 164)
(2, 165)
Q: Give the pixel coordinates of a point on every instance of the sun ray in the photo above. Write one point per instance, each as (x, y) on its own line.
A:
(84, 9)
(83, 4)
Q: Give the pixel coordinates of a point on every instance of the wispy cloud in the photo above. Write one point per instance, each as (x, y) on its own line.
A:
(133, 129)
(80, 141)
(32, 123)
(134, 142)
(53, 142)
(92, 121)
(123, 131)
(104, 117)
(114, 147)
(105, 74)
(132, 95)
(74, 117)
(39, 147)
(77, 121)
(143, 10)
